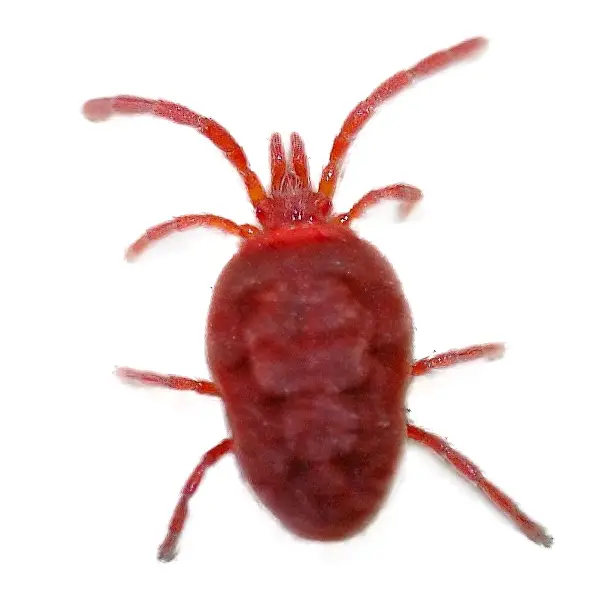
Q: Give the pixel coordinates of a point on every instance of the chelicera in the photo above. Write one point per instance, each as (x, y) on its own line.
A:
(310, 338)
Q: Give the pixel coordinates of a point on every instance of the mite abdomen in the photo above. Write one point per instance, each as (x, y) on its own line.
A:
(306, 335)
(311, 346)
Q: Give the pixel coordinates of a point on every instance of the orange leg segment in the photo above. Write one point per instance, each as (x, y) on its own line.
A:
(471, 472)
(100, 109)
(363, 111)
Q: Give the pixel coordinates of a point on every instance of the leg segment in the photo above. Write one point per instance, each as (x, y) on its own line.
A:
(467, 469)
(454, 357)
(173, 382)
(100, 109)
(182, 224)
(406, 194)
(362, 112)
(168, 549)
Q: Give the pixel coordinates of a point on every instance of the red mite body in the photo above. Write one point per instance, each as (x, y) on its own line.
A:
(309, 337)
(314, 359)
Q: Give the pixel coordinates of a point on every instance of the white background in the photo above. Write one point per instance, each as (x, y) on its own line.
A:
(503, 247)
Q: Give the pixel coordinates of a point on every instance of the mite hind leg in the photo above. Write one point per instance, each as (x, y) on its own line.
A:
(168, 549)
(471, 472)
(454, 357)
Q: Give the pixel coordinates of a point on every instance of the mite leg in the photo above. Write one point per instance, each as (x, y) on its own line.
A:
(364, 110)
(467, 469)
(173, 382)
(453, 357)
(168, 549)
(406, 194)
(101, 109)
(184, 223)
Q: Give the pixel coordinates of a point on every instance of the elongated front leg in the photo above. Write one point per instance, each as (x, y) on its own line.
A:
(168, 549)
(471, 472)
(183, 223)
(172, 382)
(364, 110)
(100, 109)
(454, 357)
(407, 195)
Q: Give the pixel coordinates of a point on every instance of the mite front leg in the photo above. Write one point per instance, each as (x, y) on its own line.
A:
(364, 110)
(168, 549)
(454, 357)
(183, 223)
(101, 109)
(172, 382)
(471, 472)
(407, 195)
